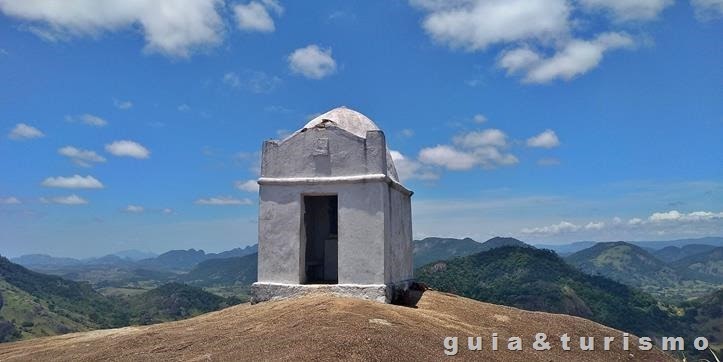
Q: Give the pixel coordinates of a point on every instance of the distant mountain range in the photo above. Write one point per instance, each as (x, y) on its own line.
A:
(686, 275)
(33, 304)
(566, 249)
(170, 261)
(432, 249)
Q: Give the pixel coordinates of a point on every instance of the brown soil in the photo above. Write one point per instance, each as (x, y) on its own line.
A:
(322, 327)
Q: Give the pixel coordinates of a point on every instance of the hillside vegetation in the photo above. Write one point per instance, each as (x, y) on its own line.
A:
(35, 304)
(540, 280)
(688, 277)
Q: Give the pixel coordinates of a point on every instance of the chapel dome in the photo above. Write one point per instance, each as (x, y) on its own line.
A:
(346, 119)
(354, 123)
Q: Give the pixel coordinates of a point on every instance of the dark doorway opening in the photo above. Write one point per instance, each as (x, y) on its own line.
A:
(322, 240)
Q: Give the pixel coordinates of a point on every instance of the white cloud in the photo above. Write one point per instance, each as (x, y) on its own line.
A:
(88, 119)
(248, 186)
(488, 137)
(167, 211)
(184, 108)
(408, 169)
(134, 209)
(312, 62)
(476, 24)
(546, 139)
(707, 9)
(170, 27)
(123, 105)
(479, 118)
(407, 133)
(65, 200)
(627, 10)
(594, 225)
(635, 221)
(73, 182)
(675, 215)
(477, 148)
(253, 81)
(548, 161)
(10, 200)
(223, 201)
(669, 222)
(255, 16)
(448, 157)
(84, 158)
(575, 58)
(562, 227)
(22, 131)
(127, 148)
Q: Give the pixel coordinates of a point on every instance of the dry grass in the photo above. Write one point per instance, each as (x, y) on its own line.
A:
(320, 327)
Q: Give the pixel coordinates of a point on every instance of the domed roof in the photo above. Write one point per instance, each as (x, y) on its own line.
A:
(354, 123)
(347, 119)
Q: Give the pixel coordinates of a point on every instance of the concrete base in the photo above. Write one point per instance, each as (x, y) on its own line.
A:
(273, 291)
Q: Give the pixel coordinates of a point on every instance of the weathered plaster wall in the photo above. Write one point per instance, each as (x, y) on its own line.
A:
(399, 260)
(361, 231)
(328, 151)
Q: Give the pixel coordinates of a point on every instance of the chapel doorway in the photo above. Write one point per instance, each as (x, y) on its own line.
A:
(322, 227)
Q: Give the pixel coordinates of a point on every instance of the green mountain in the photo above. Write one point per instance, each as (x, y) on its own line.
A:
(174, 301)
(706, 266)
(536, 279)
(432, 249)
(33, 304)
(704, 317)
(673, 253)
(224, 272)
(690, 277)
(625, 263)
(36, 304)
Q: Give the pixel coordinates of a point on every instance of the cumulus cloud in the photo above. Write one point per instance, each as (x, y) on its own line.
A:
(88, 119)
(84, 158)
(223, 201)
(73, 182)
(312, 62)
(248, 185)
(477, 148)
(448, 157)
(627, 10)
(22, 131)
(65, 200)
(479, 118)
(546, 139)
(255, 16)
(126, 148)
(488, 137)
(707, 9)
(10, 200)
(409, 169)
(253, 81)
(171, 27)
(539, 35)
(476, 24)
(675, 215)
(673, 221)
(122, 105)
(134, 209)
(575, 58)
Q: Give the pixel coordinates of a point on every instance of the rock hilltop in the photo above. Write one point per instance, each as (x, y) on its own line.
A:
(324, 327)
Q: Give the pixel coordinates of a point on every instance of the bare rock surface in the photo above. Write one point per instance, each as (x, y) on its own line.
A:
(322, 327)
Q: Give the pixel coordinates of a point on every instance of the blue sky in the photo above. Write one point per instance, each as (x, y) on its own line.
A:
(551, 121)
